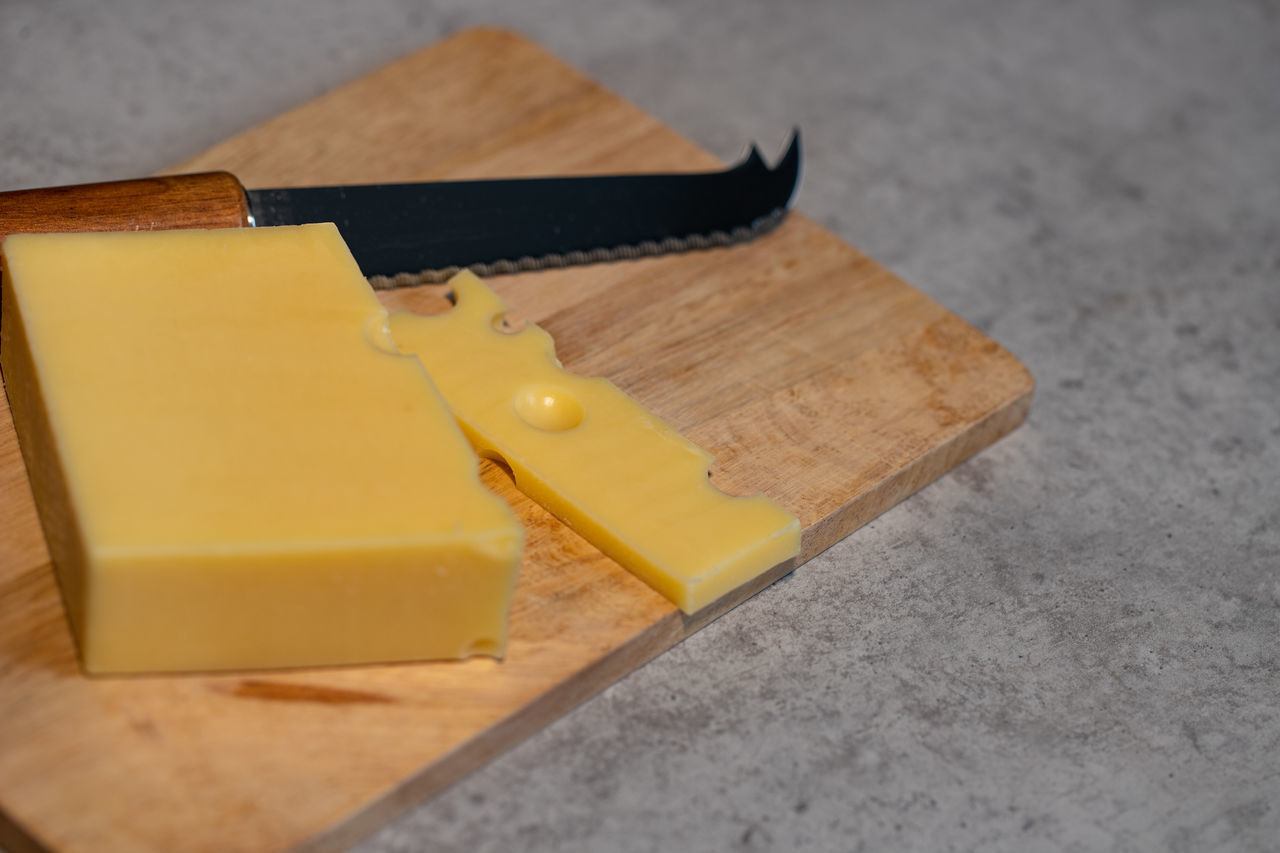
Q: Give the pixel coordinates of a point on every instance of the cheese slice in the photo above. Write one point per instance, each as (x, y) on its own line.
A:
(594, 457)
(233, 466)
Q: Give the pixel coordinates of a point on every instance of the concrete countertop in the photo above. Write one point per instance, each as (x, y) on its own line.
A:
(1068, 643)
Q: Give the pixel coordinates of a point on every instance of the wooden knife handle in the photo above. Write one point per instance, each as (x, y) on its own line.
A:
(204, 200)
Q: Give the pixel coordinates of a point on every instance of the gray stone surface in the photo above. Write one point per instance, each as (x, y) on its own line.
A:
(1071, 641)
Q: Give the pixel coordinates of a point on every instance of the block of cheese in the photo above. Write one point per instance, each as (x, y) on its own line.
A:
(233, 466)
(594, 457)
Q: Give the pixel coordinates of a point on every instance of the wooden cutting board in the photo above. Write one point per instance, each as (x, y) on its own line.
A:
(811, 373)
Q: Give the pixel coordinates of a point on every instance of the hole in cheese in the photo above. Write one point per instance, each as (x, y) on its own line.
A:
(427, 299)
(497, 459)
(509, 322)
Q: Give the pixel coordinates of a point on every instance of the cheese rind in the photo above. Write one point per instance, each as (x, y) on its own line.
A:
(233, 467)
(594, 457)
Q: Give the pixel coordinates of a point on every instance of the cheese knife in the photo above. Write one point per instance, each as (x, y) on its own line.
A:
(404, 234)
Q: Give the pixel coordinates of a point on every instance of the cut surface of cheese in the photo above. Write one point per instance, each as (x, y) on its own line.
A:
(233, 465)
(594, 457)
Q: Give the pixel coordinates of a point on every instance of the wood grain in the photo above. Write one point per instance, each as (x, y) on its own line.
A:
(202, 200)
(811, 373)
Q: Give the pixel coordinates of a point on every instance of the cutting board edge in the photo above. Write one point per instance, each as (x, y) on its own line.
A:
(519, 725)
(529, 719)
(923, 471)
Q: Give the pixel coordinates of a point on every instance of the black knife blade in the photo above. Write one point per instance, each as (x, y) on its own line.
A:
(444, 226)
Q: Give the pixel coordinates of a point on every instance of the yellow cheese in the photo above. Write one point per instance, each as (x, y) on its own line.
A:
(233, 466)
(612, 471)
